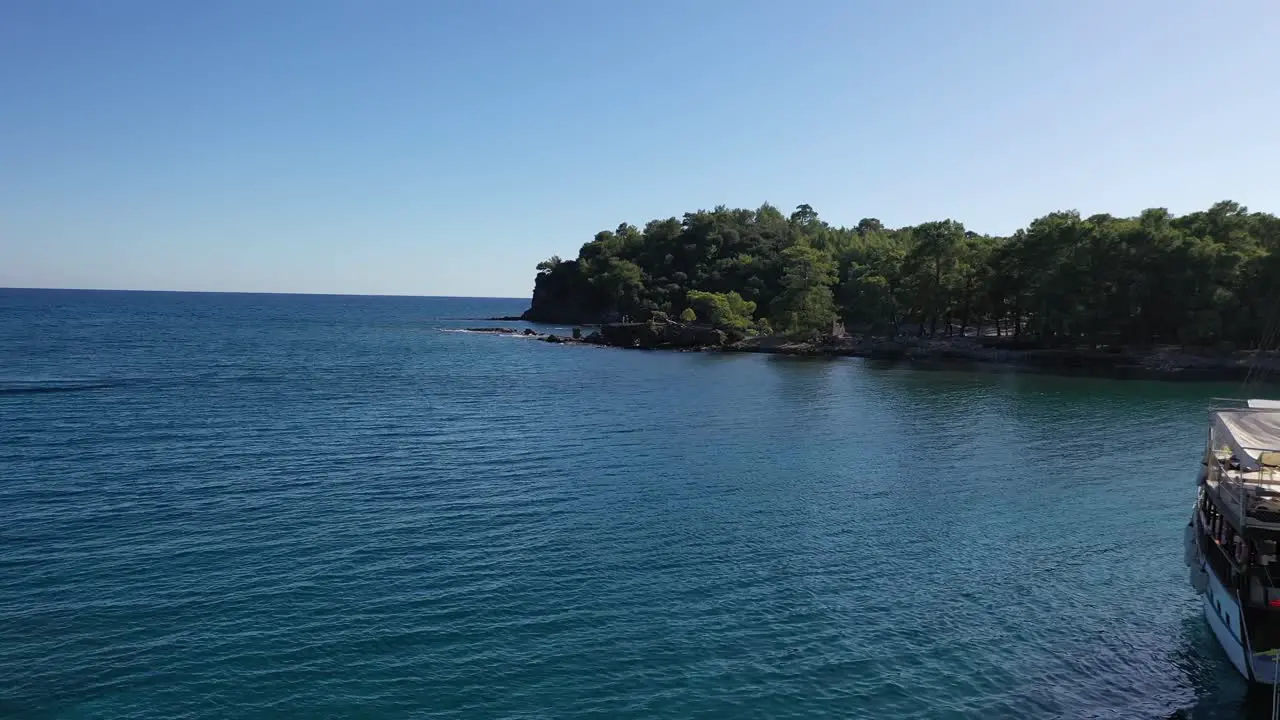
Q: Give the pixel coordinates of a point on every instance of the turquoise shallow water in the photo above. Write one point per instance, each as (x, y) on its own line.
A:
(218, 506)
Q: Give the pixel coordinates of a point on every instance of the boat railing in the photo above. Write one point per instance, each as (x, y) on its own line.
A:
(1223, 403)
(1251, 496)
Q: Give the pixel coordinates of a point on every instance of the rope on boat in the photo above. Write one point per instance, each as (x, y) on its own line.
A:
(1257, 372)
(1275, 682)
(1274, 654)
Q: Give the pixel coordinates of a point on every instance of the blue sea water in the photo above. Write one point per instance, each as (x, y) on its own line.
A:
(273, 506)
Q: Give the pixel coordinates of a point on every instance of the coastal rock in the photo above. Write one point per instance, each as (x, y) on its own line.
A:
(664, 335)
(711, 337)
(632, 335)
(1153, 363)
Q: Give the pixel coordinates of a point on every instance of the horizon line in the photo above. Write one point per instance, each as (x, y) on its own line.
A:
(260, 292)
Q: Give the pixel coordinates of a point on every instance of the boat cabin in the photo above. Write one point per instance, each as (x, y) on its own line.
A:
(1238, 512)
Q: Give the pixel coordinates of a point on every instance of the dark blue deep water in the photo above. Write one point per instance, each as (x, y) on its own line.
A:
(258, 506)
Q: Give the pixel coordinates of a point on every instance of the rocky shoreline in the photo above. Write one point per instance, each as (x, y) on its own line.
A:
(1152, 363)
(1159, 363)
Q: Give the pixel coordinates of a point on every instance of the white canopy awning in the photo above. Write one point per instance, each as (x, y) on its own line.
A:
(1249, 433)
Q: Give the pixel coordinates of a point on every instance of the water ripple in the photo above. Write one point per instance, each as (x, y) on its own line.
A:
(291, 507)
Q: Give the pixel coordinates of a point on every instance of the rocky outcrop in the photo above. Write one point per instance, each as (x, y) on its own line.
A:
(1156, 363)
(663, 335)
(1161, 363)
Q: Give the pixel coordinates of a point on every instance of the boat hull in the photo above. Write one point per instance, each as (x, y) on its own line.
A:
(1222, 613)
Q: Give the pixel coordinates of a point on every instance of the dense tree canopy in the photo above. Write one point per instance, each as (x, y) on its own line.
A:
(1202, 278)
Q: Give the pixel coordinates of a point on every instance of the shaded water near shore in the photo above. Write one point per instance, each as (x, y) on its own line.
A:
(302, 506)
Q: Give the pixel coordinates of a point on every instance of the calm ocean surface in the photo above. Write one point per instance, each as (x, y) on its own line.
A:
(244, 506)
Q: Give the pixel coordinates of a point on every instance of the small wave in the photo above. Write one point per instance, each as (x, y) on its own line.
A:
(495, 332)
(52, 387)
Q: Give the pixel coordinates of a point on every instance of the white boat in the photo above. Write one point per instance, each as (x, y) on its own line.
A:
(1231, 541)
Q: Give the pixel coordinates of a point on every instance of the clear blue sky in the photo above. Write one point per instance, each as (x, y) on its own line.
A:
(445, 147)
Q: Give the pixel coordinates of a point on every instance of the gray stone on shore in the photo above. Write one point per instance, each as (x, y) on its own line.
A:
(1159, 363)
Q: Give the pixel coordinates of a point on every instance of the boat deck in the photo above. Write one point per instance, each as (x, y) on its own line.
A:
(1257, 492)
(1252, 491)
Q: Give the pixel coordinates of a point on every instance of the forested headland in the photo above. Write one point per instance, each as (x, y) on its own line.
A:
(1202, 279)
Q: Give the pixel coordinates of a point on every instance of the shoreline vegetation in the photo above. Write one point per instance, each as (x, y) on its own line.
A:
(1155, 363)
(1153, 295)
